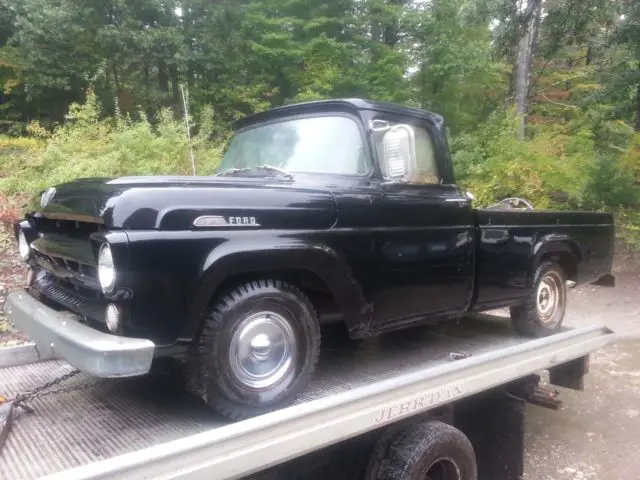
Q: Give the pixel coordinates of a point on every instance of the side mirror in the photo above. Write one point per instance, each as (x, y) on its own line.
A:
(470, 196)
(399, 151)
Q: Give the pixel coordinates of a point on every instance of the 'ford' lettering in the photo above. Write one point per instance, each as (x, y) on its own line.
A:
(242, 220)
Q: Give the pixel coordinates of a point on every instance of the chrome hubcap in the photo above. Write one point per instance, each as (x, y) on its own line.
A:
(262, 350)
(549, 297)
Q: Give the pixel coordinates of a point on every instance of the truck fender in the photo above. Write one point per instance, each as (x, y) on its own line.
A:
(240, 257)
(554, 243)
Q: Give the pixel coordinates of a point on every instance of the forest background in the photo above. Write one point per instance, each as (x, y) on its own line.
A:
(541, 97)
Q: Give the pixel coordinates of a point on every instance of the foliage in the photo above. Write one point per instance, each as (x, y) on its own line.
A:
(87, 145)
(573, 165)
(628, 222)
(92, 87)
(457, 76)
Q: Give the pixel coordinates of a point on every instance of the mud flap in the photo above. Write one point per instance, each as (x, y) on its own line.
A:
(6, 420)
(570, 374)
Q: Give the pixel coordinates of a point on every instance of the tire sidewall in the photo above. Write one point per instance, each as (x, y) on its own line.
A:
(409, 452)
(543, 269)
(300, 316)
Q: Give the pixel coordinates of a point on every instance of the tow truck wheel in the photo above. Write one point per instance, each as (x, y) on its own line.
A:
(257, 349)
(543, 311)
(430, 450)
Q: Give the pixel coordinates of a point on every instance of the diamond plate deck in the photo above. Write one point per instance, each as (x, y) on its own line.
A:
(121, 416)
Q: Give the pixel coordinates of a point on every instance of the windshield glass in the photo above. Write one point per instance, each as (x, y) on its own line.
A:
(328, 144)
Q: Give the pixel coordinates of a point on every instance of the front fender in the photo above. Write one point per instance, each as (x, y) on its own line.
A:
(247, 256)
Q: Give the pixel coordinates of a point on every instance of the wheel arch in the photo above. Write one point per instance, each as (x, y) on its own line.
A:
(560, 249)
(313, 265)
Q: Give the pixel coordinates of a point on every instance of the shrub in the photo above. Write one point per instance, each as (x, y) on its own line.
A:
(494, 164)
(88, 146)
(628, 223)
(560, 166)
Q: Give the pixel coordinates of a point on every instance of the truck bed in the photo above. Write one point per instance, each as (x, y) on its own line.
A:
(359, 387)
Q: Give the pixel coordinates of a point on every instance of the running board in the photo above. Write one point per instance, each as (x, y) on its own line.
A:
(245, 447)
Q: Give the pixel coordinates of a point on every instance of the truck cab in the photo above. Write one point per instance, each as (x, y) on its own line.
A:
(401, 225)
(339, 210)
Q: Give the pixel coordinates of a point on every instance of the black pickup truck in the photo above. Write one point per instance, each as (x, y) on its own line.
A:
(328, 211)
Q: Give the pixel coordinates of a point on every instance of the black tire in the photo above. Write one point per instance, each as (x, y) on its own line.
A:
(528, 319)
(430, 450)
(219, 378)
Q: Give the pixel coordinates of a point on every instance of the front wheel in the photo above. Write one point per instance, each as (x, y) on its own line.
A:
(257, 349)
(544, 309)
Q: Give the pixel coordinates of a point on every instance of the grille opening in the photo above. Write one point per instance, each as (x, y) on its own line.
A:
(69, 265)
(72, 228)
(64, 295)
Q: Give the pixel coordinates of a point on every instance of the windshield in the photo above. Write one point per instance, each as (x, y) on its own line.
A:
(328, 144)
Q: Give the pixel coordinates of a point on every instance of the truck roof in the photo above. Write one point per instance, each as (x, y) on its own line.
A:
(354, 104)
(138, 428)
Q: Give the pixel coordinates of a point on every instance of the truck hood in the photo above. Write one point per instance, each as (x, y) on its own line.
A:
(174, 203)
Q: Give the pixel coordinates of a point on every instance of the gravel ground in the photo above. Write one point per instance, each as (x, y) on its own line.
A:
(12, 275)
(596, 435)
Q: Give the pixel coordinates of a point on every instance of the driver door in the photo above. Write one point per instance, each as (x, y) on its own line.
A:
(424, 242)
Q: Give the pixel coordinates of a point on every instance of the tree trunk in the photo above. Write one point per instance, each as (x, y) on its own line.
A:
(391, 30)
(523, 62)
(376, 31)
(116, 79)
(163, 78)
(175, 89)
(637, 125)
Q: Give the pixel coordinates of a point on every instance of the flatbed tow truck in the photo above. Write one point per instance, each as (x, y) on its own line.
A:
(475, 374)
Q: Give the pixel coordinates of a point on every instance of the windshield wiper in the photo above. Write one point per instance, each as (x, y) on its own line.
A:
(277, 169)
(232, 170)
(262, 167)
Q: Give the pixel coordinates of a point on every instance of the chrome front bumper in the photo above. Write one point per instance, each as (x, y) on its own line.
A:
(87, 349)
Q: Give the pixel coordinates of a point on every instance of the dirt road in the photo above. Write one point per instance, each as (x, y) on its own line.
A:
(596, 436)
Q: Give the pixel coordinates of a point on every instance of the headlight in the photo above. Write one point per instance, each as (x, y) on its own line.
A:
(23, 246)
(106, 269)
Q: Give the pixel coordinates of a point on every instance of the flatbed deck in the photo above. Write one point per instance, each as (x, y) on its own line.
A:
(121, 427)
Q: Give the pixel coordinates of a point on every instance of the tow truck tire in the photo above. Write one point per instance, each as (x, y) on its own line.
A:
(543, 310)
(257, 349)
(430, 450)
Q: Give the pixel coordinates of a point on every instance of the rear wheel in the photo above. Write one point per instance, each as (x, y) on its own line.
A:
(543, 311)
(430, 450)
(257, 349)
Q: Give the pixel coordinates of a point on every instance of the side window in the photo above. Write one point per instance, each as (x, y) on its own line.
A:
(426, 171)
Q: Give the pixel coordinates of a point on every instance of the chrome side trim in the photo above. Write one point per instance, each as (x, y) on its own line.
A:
(215, 221)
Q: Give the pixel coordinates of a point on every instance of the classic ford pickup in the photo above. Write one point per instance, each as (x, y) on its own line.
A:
(328, 211)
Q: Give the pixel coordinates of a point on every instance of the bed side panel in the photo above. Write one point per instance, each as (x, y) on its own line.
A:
(510, 242)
